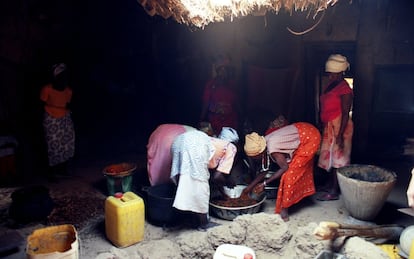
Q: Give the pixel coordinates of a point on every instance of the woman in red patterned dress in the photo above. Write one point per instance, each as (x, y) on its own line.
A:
(293, 148)
(220, 101)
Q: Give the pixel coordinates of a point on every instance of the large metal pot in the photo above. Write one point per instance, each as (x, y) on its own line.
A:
(271, 192)
(230, 213)
(272, 187)
(160, 199)
(32, 203)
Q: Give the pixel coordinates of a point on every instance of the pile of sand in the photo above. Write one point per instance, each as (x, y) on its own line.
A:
(267, 234)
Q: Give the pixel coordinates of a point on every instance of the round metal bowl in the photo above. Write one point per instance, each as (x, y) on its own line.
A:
(234, 192)
(119, 170)
(230, 213)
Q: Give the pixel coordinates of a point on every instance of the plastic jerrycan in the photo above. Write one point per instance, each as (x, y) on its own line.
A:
(124, 219)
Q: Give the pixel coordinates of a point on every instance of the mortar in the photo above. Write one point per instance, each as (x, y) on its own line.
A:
(365, 188)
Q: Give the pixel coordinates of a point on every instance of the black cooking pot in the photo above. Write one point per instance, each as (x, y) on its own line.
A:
(32, 203)
(160, 199)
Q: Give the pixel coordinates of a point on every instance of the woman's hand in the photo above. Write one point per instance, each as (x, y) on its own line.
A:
(259, 188)
(246, 191)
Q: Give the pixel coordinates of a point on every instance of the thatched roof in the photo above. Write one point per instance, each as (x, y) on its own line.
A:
(199, 13)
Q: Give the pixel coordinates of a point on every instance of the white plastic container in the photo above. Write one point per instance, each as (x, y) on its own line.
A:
(229, 251)
(407, 240)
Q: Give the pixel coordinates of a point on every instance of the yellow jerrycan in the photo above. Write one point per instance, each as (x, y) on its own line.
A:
(124, 219)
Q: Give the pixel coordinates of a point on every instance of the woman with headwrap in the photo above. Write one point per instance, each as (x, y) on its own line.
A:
(256, 166)
(194, 155)
(219, 100)
(292, 148)
(57, 122)
(335, 105)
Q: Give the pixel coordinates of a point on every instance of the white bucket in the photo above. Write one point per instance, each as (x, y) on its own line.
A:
(229, 251)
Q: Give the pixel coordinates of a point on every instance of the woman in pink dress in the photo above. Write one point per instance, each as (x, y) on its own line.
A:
(159, 154)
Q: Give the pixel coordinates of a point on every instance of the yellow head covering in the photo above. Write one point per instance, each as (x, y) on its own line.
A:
(254, 144)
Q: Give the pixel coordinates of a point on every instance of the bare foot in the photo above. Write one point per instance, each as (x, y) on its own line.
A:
(328, 197)
(284, 215)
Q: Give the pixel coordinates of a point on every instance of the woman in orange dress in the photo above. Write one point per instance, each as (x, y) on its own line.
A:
(57, 121)
(292, 148)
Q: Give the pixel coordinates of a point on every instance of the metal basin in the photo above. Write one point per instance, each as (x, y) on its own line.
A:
(271, 188)
(119, 170)
(230, 213)
(271, 192)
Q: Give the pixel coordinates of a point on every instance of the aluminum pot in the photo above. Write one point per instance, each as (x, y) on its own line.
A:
(272, 187)
(229, 213)
(160, 199)
(271, 192)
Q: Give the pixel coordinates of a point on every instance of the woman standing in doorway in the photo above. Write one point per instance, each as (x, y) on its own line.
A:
(335, 103)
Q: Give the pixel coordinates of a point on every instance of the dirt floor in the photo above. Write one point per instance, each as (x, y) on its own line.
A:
(79, 200)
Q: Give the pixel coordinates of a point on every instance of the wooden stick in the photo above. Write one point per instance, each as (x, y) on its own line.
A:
(332, 230)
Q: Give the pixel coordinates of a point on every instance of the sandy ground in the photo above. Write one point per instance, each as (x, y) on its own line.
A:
(264, 232)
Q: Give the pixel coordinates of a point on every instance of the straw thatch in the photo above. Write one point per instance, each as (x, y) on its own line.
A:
(199, 13)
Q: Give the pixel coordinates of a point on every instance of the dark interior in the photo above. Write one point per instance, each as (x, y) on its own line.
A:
(131, 71)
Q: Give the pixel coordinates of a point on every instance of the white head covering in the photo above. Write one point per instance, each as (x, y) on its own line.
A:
(58, 68)
(336, 63)
(229, 134)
